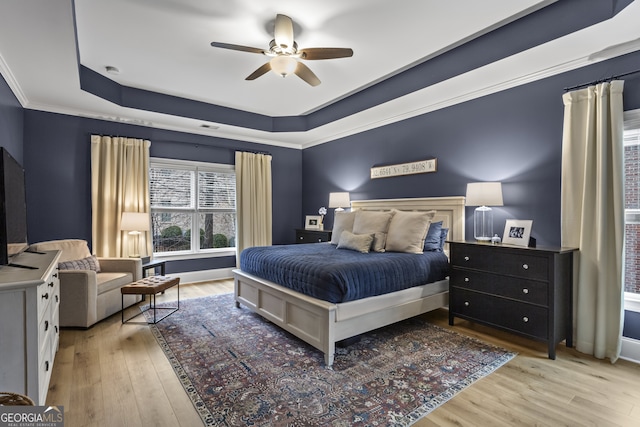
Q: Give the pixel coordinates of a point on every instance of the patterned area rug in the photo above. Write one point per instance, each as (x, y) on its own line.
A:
(241, 370)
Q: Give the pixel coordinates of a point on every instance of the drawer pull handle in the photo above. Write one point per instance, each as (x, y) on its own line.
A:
(51, 284)
(525, 266)
(301, 238)
(46, 366)
(57, 330)
(46, 296)
(54, 275)
(525, 319)
(57, 299)
(525, 291)
(466, 303)
(466, 258)
(466, 279)
(319, 240)
(46, 325)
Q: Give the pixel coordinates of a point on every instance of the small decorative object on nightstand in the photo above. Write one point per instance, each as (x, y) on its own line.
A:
(521, 290)
(312, 236)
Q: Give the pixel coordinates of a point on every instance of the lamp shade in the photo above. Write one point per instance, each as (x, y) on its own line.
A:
(484, 194)
(134, 221)
(339, 200)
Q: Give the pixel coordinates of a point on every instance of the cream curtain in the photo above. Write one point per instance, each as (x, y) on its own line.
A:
(119, 183)
(593, 213)
(253, 200)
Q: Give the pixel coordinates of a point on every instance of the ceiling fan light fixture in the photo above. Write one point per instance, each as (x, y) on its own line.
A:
(283, 65)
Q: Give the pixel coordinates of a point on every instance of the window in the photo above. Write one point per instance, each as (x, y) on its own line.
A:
(188, 196)
(632, 210)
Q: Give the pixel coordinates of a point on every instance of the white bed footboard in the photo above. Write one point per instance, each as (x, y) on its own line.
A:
(315, 321)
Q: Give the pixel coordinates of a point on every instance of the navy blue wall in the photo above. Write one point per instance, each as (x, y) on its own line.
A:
(57, 152)
(514, 136)
(11, 122)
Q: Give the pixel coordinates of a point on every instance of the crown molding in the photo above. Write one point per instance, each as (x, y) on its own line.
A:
(12, 82)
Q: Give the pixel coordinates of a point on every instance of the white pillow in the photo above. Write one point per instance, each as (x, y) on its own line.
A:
(408, 230)
(341, 221)
(373, 222)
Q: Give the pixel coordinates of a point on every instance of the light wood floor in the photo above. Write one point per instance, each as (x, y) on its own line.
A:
(117, 375)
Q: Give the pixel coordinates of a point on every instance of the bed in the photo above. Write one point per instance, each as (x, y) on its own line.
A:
(322, 323)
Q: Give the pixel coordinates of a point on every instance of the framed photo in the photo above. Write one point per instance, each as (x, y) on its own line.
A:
(313, 222)
(517, 232)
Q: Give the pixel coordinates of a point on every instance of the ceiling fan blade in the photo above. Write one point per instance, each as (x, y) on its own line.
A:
(306, 74)
(260, 71)
(237, 47)
(325, 53)
(283, 32)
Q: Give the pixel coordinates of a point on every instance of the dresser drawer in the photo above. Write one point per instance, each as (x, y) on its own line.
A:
(519, 289)
(44, 296)
(516, 316)
(45, 326)
(312, 236)
(515, 263)
(45, 366)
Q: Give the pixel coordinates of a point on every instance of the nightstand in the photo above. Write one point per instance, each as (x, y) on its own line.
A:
(526, 291)
(312, 236)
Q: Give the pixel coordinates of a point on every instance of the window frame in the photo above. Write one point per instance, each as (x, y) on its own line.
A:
(194, 211)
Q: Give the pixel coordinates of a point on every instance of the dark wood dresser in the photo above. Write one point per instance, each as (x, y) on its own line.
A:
(312, 236)
(527, 291)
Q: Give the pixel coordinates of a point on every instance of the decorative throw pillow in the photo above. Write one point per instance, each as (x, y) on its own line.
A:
(89, 263)
(443, 237)
(433, 239)
(373, 222)
(341, 221)
(407, 231)
(355, 242)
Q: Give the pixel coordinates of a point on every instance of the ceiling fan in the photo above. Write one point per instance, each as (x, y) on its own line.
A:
(285, 54)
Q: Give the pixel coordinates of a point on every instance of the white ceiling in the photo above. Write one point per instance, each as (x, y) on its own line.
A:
(164, 46)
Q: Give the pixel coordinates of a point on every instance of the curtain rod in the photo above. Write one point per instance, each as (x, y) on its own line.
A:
(608, 79)
(199, 145)
(266, 153)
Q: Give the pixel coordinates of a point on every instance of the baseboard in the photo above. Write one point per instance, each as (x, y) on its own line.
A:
(630, 350)
(204, 275)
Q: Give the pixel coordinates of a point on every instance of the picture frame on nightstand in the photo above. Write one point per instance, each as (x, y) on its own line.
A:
(313, 222)
(517, 232)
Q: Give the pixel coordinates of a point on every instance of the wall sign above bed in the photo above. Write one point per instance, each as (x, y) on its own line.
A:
(422, 166)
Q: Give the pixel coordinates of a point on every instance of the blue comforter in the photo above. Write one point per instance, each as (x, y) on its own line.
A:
(339, 275)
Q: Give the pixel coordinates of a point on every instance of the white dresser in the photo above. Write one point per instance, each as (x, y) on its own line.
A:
(29, 328)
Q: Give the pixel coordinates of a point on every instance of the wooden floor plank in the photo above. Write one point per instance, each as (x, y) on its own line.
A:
(114, 374)
(86, 402)
(118, 391)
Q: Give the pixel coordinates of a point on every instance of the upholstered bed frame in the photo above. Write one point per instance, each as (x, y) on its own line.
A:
(322, 324)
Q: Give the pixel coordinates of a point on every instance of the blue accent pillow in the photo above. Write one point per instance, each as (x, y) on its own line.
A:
(433, 239)
(443, 237)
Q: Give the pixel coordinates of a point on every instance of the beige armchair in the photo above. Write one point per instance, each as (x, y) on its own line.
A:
(87, 296)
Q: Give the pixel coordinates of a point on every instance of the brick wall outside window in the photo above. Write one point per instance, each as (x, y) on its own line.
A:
(632, 229)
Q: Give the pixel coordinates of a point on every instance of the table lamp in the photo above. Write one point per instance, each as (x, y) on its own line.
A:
(483, 195)
(135, 223)
(339, 201)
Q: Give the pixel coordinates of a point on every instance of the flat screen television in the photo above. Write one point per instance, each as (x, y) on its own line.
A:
(13, 208)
